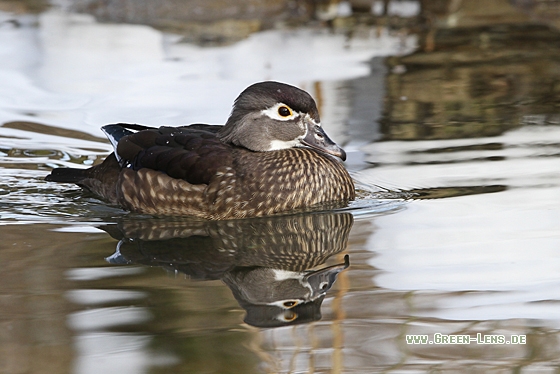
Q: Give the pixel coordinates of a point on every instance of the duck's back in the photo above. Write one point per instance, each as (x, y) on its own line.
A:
(190, 153)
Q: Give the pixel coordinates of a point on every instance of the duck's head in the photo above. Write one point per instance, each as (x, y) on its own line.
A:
(269, 116)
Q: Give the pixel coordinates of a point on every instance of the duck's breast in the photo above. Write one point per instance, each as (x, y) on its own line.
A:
(266, 183)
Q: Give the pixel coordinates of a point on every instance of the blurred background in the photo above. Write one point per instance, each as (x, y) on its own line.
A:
(449, 111)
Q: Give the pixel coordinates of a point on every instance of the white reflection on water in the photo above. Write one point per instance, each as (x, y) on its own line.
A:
(105, 318)
(94, 273)
(87, 74)
(503, 245)
(116, 353)
(92, 297)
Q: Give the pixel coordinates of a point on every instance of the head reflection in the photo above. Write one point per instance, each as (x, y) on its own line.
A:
(265, 262)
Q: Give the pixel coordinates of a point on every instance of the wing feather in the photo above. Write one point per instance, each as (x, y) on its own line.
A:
(191, 153)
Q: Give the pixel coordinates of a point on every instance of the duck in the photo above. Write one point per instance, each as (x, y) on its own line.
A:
(271, 157)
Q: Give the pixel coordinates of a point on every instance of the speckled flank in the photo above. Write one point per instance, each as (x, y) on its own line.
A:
(153, 192)
(258, 184)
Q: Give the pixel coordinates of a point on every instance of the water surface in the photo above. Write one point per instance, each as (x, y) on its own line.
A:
(456, 231)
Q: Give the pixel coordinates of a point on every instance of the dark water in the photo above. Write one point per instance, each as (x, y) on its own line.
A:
(456, 229)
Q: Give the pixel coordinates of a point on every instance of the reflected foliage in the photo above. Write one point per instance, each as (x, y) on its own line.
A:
(444, 192)
(475, 82)
(264, 261)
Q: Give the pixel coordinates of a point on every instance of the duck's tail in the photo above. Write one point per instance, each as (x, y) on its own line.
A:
(66, 175)
(115, 132)
(100, 179)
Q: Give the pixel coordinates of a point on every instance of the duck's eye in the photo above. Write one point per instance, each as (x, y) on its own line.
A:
(284, 111)
(289, 316)
(290, 304)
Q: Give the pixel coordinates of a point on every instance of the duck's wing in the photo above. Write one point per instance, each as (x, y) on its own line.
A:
(191, 153)
(115, 132)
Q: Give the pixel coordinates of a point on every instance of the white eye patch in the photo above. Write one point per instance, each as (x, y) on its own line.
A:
(280, 112)
(287, 304)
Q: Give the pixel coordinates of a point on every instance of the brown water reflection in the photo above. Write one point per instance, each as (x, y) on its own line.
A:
(63, 305)
(265, 262)
(61, 299)
(476, 82)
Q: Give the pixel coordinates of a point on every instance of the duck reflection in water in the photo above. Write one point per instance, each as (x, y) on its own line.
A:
(264, 261)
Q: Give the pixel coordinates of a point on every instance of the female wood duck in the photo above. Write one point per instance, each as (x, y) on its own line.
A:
(271, 156)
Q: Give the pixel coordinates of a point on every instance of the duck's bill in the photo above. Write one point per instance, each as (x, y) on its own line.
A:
(322, 280)
(316, 138)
